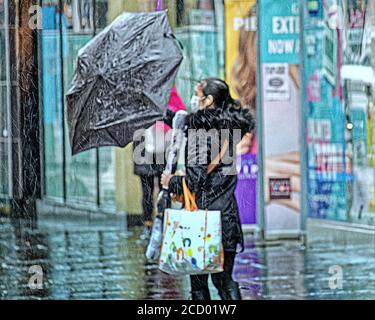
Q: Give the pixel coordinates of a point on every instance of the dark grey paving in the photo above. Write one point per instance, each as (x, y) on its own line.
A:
(99, 260)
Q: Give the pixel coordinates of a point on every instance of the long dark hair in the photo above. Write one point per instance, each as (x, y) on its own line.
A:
(243, 74)
(228, 113)
(219, 90)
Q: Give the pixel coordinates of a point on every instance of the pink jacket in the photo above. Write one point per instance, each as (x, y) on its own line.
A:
(175, 104)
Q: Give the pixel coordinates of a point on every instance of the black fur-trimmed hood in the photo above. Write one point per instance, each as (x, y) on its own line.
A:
(232, 117)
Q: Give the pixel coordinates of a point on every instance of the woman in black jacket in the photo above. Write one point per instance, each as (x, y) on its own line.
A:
(215, 190)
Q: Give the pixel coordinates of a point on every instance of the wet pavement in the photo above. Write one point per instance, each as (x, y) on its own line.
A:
(97, 260)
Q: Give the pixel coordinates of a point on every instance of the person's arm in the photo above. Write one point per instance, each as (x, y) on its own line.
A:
(196, 170)
(245, 145)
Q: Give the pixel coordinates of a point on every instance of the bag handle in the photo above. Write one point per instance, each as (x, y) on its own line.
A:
(211, 167)
(189, 198)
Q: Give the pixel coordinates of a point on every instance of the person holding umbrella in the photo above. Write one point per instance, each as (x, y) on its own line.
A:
(216, 109)
(147, 172)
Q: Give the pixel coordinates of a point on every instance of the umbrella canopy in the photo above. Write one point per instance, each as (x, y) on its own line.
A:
(123, 81)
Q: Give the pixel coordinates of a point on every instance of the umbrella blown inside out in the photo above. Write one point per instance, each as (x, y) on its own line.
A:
(123, 81)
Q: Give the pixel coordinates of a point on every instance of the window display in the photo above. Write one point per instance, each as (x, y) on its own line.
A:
(88, 177)
(340, 113)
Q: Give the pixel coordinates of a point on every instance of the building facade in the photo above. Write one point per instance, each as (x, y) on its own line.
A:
(338, 174)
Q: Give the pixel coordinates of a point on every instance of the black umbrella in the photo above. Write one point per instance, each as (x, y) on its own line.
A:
(123, 81)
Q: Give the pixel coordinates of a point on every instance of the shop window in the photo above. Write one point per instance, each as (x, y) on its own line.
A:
(200, 30)
(81, 176)
(72, 178)
(52, 101)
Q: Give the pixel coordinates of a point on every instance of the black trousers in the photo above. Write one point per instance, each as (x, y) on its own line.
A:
(223, 282)
(148, 185)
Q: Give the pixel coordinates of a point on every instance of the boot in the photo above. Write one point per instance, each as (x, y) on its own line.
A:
(230, 291)
(203, 294)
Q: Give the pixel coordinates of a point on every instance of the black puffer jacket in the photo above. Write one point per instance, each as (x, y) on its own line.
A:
(216, 191)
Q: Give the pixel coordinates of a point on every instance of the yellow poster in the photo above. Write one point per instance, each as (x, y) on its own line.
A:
(239, 22)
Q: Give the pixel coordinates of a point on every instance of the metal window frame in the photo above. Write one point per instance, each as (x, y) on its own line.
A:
(41, 112)
(62, 78)
(303, 127)
(8, 98)
(260, 212)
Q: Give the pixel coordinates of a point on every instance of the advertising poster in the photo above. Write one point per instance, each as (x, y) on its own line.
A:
(279, 58)
(277, 82)
(246, 188)
(329, 172)
(240, 73)
(240, 24)
(279, 38)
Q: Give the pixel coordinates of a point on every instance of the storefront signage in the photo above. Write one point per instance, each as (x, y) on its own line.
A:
(280, 23)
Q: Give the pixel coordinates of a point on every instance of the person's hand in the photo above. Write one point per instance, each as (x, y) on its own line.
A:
(284, 166)
(245, 145)
(176, 198)
(165, 179)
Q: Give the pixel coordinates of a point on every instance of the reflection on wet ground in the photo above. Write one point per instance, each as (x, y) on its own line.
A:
(99, 260)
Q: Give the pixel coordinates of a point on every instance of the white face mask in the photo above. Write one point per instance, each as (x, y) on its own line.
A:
(194, 103)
